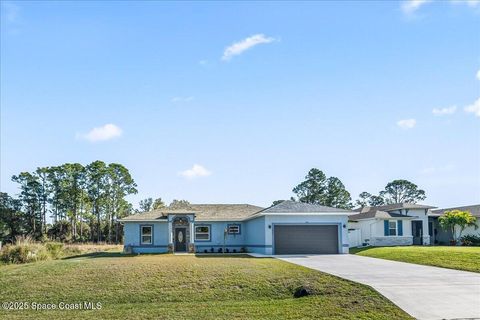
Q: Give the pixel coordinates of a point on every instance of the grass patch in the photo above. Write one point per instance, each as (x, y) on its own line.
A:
(26, 251)
(179, 287)
(460, 258)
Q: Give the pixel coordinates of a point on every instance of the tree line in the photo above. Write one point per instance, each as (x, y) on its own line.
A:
(317, 188)
(83, 202)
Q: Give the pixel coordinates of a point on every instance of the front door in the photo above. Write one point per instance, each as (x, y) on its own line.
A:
(180, 240)
(417, 232)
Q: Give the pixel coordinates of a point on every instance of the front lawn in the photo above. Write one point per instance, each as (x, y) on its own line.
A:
(186, 287)
(460, 258)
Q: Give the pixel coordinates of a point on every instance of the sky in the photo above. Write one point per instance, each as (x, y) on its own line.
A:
(234, 102)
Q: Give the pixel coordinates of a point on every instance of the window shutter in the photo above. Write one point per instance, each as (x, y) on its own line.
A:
(400, 227)
(385, 227)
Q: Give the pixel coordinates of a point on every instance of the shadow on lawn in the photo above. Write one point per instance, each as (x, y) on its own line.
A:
(106, 254)
(222, 255)
(357, 250)
(103, 254)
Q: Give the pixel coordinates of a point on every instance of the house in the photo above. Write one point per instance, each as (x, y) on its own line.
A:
(390, 225)
(286, 228)
(441, 236)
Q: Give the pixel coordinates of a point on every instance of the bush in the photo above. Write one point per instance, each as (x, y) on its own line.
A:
(24, 253)
(55, 249)
(26, 250)
(470, 240)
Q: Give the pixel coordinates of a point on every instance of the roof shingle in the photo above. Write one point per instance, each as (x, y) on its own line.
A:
(203, 212)
(377, 214)
(395, 206)
(473, 209)
(289, 206)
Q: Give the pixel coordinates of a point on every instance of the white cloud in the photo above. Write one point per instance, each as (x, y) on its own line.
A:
(470, 3)
(103, 133)
(407, 123)
(440, 169)
(195, 172)
(444, 111)
(474, 108)
(410, 6)
(478, 74)
(182, 99)
(245, 44)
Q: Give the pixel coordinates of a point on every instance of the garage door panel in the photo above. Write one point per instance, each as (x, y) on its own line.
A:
(306, 239)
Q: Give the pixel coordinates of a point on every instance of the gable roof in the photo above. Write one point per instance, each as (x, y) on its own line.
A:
(395, 206)
(379, 214)
(289, 206)
(473, 209)
(202, 212)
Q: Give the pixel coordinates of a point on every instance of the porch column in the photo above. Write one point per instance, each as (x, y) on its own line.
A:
(170, 231)
(192, 232)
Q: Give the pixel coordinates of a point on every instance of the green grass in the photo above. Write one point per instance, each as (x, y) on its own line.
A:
(187, 287)
(460, 258)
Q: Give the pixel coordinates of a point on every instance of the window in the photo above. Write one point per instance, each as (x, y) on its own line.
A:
(392, 228)
(233, 229)
(146, 235)
(202, 233)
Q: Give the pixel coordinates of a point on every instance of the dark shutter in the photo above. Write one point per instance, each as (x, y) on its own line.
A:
(400, 227)
(385, 228)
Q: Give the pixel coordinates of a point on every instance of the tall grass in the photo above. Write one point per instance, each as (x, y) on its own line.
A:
(25, 250)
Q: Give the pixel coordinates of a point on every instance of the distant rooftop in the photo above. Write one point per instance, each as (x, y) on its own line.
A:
(377, 214)
(473, 209)
(396, 206)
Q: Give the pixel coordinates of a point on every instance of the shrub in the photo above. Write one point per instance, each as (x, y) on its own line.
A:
(24, 253)
(55, 249)
(470, 240)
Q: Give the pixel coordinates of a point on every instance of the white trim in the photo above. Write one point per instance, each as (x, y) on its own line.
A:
(142, 234)
(207, 233)
(234, 225)
(382, 219)
(390, 228)
(307, 213)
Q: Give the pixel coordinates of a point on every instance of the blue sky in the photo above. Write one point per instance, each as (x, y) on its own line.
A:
(235, 102)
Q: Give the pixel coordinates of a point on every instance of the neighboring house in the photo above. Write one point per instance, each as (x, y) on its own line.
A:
(390, 225)
(286, 228)
(441, 236)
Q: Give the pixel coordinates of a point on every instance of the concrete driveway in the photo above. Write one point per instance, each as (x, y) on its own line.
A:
(422, 291)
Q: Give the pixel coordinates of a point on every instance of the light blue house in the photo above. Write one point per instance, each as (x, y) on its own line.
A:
(286, 228)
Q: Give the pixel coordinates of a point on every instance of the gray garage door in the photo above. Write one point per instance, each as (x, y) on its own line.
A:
(306, 239)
